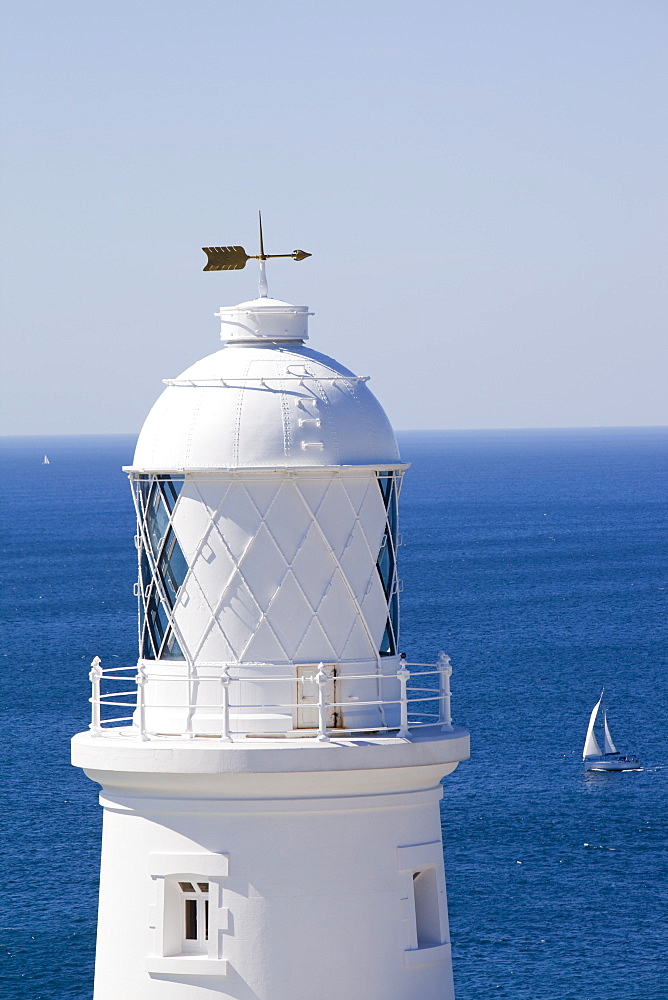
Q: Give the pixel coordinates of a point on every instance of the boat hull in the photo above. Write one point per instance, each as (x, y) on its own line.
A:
(612, 765)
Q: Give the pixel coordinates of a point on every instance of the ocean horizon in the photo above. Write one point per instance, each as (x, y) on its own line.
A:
(535, 558)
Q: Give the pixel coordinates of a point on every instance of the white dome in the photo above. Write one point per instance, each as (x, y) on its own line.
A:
(265, 404)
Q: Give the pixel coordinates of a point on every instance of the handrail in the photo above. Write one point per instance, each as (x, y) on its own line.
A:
(281, 678)
(411, 697)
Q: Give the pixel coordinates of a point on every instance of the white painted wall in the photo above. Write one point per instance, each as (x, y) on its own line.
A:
(311, 874)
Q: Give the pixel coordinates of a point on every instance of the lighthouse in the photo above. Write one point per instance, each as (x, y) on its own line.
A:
(270, 769)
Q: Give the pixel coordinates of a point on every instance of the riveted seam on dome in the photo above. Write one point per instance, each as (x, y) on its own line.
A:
(330, 423)
(193, 424)
(285, 411)
(237, 421)
(364, 414)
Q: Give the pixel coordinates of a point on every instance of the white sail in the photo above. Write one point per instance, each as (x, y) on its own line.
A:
(46, 461)
(608, 745)
(591, 747)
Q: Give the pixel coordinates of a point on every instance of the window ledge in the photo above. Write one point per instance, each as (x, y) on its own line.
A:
(187, 965)
(427, 956)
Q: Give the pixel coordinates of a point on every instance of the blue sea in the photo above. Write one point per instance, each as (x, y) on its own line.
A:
(536, 559)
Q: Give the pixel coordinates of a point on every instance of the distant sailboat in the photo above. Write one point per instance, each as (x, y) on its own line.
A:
(592, 749)
(45, 460)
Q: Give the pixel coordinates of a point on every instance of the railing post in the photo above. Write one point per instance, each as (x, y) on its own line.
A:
(225, 704)
(322, 677)
(141, 701)
(444, 673)
(94, 677)
(403, 673)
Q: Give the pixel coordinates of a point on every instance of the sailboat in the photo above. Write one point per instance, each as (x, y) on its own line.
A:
(609, 759)
(45, 460)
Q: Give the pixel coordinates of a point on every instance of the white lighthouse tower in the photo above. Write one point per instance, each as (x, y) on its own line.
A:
(271, 796)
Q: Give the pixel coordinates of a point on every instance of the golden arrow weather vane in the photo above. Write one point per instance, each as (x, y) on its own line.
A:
(234, 258)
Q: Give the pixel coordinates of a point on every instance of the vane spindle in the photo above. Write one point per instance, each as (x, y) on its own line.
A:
(264, 287)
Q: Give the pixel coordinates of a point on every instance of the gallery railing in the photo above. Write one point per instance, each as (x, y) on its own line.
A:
(420, 704)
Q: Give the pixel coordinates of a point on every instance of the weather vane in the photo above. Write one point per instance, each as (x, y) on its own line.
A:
(234, 259)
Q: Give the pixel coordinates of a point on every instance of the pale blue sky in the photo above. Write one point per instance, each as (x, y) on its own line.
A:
(481, 184)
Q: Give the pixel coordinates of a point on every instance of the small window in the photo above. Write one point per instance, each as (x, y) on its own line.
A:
(427, 912)
(195, 916)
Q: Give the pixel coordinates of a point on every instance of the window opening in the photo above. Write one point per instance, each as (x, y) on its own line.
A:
(195, 910)
(427, 911)
(191, 919)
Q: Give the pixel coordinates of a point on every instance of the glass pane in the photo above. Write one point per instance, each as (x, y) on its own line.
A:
(177, 564)
(162, 618)
(147, 651)
(394, 616)
(170, 490)
(385, 484)
(171, 587)
(157, 620)
(191, 919)
(143, 487)
(203, 886)
(187, 887)
(171, 649)
(387, 647)
(386, 566)
(206, 919)
(156, 518)
(145, 574)
(392, 512)
(173, 566)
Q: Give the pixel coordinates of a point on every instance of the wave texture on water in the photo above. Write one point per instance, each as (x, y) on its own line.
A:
(536, 559)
